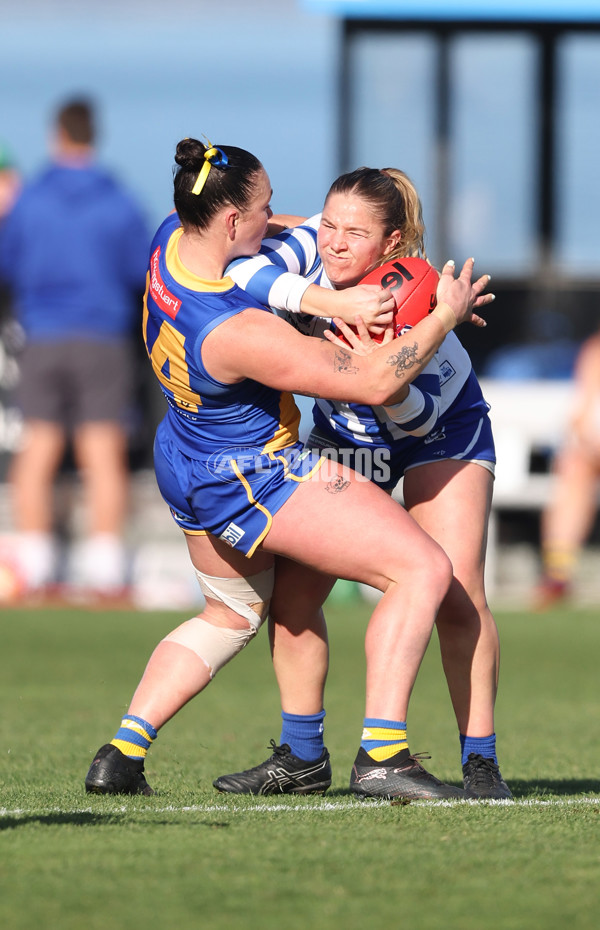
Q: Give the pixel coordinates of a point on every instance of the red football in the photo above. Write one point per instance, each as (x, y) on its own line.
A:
(413, 283)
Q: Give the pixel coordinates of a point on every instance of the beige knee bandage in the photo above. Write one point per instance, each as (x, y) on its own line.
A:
(248, 597)
(216, 645)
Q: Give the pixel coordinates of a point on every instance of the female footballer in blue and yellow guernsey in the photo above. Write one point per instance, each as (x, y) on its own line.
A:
(239, 432)
(439, 440)
(248, 498)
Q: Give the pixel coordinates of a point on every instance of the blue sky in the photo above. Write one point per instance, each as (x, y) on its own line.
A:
(259, 75)
(263, 74)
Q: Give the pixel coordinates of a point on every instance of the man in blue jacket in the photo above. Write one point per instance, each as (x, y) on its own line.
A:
(74, 251)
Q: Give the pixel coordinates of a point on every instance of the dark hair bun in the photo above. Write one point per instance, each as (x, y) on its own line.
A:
(190, 154)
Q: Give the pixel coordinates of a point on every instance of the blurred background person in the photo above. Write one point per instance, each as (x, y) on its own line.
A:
(9, 180)
(10, 183)
(10, 342)
(568, 519)
(73, 251)
(10, 331)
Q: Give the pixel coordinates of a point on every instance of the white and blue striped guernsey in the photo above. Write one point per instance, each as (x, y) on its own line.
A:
(278, 277)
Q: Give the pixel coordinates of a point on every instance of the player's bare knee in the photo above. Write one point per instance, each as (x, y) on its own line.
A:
(430, 572)
(213, 643)
(439, 570)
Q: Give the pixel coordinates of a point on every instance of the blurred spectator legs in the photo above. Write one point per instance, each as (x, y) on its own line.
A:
(101, 457)
(567, 522)
(31, 474)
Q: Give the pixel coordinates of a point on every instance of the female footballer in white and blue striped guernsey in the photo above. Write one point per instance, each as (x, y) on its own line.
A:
(439, 439)
(279, 277)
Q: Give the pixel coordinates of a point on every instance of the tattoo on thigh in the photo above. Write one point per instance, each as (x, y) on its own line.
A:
(343, 362)
(405, 359)
(337, 485)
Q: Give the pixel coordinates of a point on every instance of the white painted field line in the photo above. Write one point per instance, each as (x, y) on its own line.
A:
(269, 808)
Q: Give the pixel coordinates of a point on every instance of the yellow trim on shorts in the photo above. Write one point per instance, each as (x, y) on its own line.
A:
(313, 471)
(255, 503)
(194, 532)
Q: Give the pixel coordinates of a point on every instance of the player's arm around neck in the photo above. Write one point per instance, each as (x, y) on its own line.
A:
(263, 347)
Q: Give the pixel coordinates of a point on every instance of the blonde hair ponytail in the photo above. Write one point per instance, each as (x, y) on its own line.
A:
(413, 232)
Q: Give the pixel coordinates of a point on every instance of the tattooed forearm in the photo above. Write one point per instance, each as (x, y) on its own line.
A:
(342, 361)
(405, 359)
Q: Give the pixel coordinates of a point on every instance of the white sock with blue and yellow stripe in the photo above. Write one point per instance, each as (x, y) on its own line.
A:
(384, 739)
(134, 737)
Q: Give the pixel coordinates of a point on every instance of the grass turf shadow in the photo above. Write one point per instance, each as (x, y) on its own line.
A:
(79, 818)
(553, 787)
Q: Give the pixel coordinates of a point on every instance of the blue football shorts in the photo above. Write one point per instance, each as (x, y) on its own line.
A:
(467, 437)
(233, 493)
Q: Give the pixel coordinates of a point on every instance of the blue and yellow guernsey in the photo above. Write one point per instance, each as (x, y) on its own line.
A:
(204, 414)
(226, 456)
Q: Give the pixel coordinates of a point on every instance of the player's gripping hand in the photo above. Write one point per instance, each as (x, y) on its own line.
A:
(462, 294)
(360, 342)
(372, 303)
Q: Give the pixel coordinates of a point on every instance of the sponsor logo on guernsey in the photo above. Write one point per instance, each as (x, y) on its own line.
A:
(159, 293)
(232, 534)
(446, 371)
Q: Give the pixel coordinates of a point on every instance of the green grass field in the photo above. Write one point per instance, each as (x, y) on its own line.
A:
(190, 857)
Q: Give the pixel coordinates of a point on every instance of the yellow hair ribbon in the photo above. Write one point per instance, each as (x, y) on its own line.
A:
(211, 156)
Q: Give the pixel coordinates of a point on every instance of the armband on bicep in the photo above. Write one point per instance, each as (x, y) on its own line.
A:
(287, 292)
